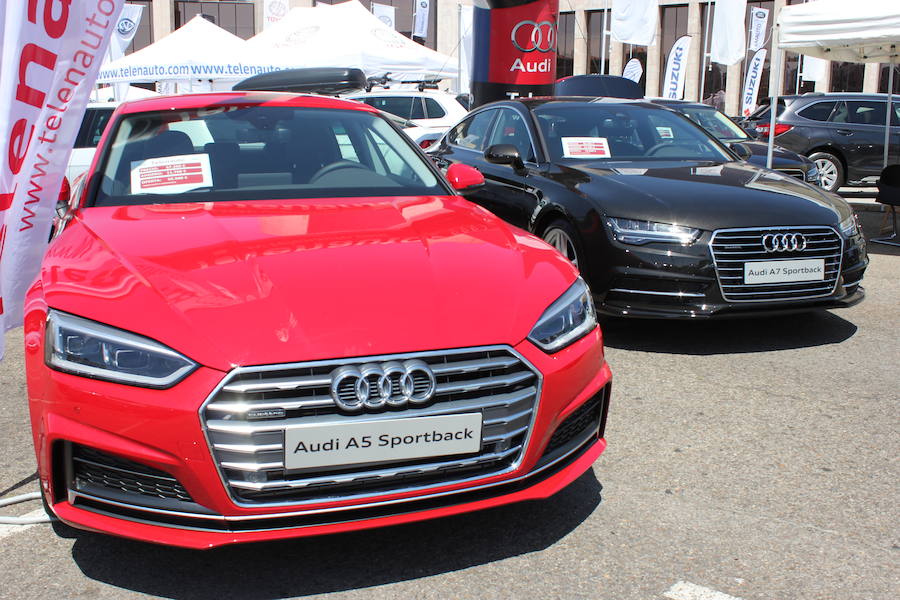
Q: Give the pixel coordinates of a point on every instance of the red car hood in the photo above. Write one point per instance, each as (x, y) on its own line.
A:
(242, 283)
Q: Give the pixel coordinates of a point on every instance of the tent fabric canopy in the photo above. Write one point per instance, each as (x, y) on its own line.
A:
(860, 31)
(197, 50)
(347, 35)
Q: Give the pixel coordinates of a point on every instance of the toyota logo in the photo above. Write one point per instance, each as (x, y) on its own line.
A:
(374, 386)
(784, 242)
(529, 36)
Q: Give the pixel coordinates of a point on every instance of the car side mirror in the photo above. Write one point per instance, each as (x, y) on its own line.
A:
(464, 178)
(504, 154)
(741, 150)
(65, 196)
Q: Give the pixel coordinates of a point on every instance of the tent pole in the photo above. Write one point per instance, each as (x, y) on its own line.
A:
(887, 119)
(773, 102)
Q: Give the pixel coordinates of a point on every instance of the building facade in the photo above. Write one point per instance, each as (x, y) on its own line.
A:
(584, 43)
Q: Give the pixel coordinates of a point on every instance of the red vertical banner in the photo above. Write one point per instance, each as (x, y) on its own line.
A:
(51, 52)
(515, 49)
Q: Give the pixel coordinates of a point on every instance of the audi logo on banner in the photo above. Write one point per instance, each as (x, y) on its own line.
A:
(375, 386)
(784, 242)
(528, 36)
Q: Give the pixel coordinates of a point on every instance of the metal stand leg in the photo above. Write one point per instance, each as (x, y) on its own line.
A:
(890, 240)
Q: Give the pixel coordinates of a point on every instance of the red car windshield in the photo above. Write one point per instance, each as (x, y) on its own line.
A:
(256, 152)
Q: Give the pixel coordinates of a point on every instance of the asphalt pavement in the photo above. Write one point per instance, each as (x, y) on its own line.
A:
(747, 459)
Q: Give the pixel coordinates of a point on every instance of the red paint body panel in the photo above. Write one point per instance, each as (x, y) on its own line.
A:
(283, 281)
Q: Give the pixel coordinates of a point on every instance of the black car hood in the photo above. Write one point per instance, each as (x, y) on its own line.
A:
(707, 195)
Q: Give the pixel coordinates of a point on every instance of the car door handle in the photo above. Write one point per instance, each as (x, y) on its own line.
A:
(845, 131)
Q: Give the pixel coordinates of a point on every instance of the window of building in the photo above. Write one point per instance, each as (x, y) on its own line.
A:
(847, 77)
(565, 46)
(674, 24)
(883, 80)
(599, 41)
(793, 77)
(712, 91)
(235, 17)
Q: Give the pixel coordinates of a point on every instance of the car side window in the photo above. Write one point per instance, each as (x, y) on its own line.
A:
(471, 132)
(895, 114)
(818, 111)
(408, 107)
(433, 109)
(866, 112)
(95, 120)
(511, 129)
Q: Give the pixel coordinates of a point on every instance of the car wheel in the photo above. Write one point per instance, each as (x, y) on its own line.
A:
(831, 171)
(561, 235)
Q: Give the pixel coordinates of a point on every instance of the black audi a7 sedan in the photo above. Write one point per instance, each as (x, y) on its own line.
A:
(662, 219)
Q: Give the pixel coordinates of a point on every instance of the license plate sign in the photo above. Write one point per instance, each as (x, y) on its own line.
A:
(361, 442)
(784, 271)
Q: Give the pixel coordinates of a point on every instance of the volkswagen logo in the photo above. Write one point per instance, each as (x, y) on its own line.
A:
(125, 26)
(529, 36)
(784, 242)
(375, 386)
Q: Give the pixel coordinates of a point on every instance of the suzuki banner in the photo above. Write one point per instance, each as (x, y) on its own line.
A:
(751, 83)
(673, 84)
(759, 19)
(52, 50)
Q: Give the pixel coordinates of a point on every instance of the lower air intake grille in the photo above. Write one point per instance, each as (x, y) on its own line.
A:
(585, 417)
(100, 470)
(246, 417)
(732, 249)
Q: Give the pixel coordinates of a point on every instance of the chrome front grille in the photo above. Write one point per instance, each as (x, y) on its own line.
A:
(732, 248)
(245, 418)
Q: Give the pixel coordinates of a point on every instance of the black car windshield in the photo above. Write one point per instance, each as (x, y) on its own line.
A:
(259, 152)
(714, 122)
(616, 132)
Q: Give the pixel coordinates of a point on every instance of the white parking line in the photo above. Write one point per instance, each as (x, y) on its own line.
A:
(7, 530)
(685, 590)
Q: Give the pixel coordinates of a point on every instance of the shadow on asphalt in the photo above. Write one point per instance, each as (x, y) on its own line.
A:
(727, 336)
(340, 562)
(877, 224)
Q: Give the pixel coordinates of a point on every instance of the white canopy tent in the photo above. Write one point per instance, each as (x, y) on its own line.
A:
(348, 35)
(858, 31)
(198, 50)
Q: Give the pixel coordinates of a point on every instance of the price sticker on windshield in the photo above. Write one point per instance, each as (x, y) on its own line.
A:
(170, 174)
(585, 147)
(665, 133)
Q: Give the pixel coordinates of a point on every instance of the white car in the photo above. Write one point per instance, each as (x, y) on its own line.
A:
(425, 109)
(95, 119)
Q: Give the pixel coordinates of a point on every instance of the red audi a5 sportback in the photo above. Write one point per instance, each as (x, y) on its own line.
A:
(269, 315)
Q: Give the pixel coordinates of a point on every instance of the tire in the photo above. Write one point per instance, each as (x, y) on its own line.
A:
(831, 170)
(561, 235)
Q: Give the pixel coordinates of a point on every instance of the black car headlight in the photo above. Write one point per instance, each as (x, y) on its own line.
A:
(568, 319)
(631, 231)
(850, 226)
(812, 176)
(83, 347)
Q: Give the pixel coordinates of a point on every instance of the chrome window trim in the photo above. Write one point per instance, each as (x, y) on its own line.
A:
(539, 381)
(837, 279)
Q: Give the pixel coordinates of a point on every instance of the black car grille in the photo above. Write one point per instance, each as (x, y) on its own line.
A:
(101, 471)
(733, 248)
(585, 418)
(246, 418)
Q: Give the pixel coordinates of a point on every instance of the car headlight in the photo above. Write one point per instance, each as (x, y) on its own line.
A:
(850, 226)
(569, 318)
(87, 348)
(631, 231)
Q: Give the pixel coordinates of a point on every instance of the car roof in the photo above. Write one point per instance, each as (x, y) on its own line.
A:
(391, 92)
(534, 102)
(219, 99)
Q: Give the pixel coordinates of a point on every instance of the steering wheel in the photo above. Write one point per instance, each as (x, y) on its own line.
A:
(336, 166)
(652, 150)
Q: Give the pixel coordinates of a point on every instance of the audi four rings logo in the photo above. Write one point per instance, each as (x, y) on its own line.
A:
(374, 386)
(783, 242)
(534, 36)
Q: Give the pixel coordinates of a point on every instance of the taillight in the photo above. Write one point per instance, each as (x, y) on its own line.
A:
(763, 128)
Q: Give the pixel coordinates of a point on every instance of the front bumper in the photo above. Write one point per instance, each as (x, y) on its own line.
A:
(654, 281)
(160, 431)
